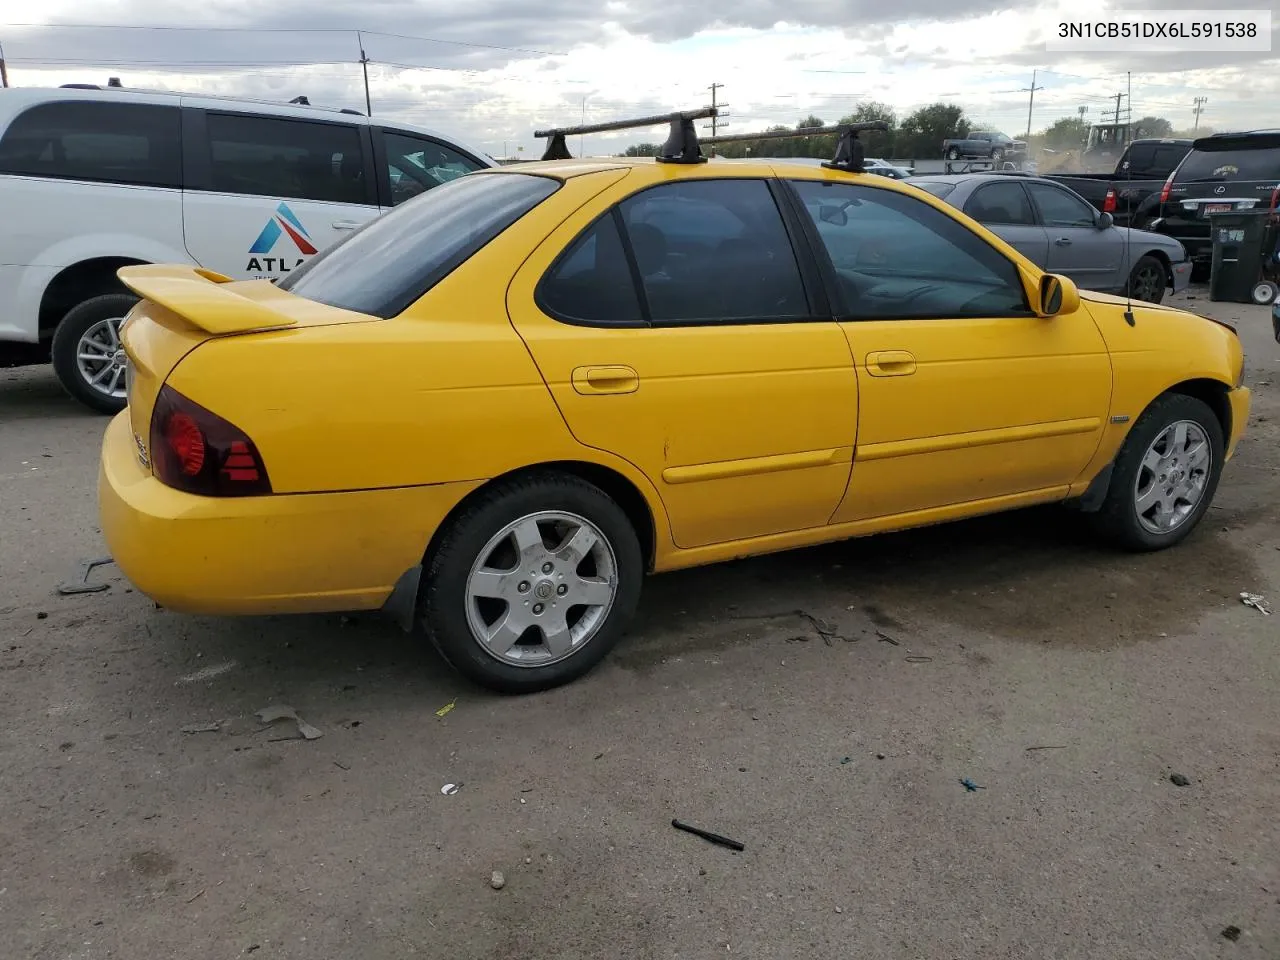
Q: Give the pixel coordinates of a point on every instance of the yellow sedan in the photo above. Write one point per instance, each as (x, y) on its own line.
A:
(494, 409)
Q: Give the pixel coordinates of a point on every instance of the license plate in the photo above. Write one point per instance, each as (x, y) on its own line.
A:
(1216, 208)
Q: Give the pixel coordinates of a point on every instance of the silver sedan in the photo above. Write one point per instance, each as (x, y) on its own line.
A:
(1059, 231)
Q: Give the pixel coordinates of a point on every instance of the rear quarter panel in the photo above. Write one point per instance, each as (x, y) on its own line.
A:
(445, 392)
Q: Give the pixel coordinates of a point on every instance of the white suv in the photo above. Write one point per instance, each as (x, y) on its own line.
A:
(94, 179)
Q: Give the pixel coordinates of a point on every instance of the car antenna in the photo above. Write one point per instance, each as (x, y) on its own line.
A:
(1128, 176)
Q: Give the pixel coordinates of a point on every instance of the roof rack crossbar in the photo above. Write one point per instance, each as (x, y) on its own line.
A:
(849, 153)
(681, 146)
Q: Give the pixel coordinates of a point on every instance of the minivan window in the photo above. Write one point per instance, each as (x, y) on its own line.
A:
(384, 266)
(290, 159)
(1233, 163)
(129, 143)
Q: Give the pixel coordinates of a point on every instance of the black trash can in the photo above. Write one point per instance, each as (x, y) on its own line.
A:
(1237, 253)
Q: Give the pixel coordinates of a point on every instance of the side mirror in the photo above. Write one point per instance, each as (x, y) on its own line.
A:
(830, 213)
(1058, 295)
(1106, 220)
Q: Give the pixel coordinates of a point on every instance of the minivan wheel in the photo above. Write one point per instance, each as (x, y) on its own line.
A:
(1147, 280)
(1165, 475)
(533, 584)
(87, 354)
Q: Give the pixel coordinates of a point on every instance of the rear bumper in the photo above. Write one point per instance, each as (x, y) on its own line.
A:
(300, 553)
(1240, 399)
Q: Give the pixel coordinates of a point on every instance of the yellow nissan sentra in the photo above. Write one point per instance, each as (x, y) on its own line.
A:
(494, 409)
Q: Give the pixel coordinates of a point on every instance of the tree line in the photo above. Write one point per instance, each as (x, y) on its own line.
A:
(917, 135)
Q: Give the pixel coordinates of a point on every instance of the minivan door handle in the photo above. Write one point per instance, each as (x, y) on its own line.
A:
(616, 378)
(345, 224)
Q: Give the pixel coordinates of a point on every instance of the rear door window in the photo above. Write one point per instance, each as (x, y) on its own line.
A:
(1001, 203)
(295, 159)
(127, 143)
(416, 164)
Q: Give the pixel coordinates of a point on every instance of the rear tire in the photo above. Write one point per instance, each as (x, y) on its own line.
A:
(87, 355)
(499, 600)
(1165, 476)
(1147, 280)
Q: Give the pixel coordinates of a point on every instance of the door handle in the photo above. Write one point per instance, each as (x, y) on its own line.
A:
(610, 379)
(891, 363)
(1062, 242)
(345, 224)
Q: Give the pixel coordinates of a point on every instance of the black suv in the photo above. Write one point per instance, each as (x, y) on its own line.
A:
(1227, 171)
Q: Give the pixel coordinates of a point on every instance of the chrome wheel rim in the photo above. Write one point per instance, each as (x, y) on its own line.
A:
(1173, 477)
(101, 359)
(1147, 283)
(541, 588)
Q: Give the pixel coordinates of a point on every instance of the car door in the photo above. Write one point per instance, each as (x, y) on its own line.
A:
(1003, 208)
(409, 164)
(265, 192)
(676, 328)
(965, 396)
(1077, 248)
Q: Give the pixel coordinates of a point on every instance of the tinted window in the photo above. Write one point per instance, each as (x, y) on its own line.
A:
(1000, 203)
(1058, 208)
(385, 265)
(592, 281)
(415, 164)
(896, 257)
(1262, 163)
(714, 250)
(269, 157)
(939, 188)
(129, 143)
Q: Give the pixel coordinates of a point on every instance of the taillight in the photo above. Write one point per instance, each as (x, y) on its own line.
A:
(1109, 204)
(195, 450)
(1275, 198)
(1164, 191)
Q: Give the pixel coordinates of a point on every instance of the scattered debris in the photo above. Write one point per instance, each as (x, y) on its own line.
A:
(340, 765)
(885, 638)
(444, 711)
(821, 627)
(203, 728)
(82, 584)
(196, 897)
(44, 616)
(1256, 601)
(449, 789)
(1178, 780)
(879, 756)
(969, 785)
(598, 756)
(706, 835)
(1232, 933)
(844, 760)
(918, 659)
(1029, 749)
(207, 673)
(274, 714)
(839, 909)
(497, 880)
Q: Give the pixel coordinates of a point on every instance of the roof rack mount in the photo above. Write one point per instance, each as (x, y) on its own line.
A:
(681, 145)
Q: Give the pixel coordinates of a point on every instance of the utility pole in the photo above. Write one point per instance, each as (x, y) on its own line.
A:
(715, 105)
(4, 73)
(1199, 101)
(1032, 102)
(1119, 97)
(364, 65)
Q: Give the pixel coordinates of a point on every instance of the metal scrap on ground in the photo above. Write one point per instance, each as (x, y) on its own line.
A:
(81, 584)
(1257, 601)
(273, 714)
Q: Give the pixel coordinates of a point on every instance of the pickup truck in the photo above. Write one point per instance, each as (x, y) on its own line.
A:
(1131, 192)
(983, 144)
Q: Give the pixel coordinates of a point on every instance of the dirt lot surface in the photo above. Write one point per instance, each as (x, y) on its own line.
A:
(1065, 681)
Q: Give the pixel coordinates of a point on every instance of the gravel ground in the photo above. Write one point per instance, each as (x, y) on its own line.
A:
(1064, 680)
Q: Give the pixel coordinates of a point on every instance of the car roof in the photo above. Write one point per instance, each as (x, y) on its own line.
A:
(15, 99)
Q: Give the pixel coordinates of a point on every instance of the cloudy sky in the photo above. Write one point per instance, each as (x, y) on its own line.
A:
(492, 71)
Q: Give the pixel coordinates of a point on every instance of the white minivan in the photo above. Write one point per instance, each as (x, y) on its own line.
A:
(93, 179)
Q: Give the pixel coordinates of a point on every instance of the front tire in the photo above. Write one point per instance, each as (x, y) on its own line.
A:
(953, 153)
(1147, 280)
(532, 585)
(997, 155)
(87, 354)
(1165, 476)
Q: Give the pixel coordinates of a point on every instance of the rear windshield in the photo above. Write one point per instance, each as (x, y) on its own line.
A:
(387, 264)
(1232, 163)
(939, 188)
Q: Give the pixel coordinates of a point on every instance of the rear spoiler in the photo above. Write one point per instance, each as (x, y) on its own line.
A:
(201, 298)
